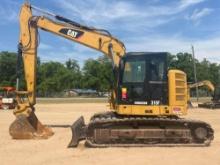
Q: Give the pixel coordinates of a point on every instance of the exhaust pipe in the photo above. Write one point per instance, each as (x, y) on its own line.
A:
(78, 132)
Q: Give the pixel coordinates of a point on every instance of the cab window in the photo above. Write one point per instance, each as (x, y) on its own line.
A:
(134, 71)
(157, 71)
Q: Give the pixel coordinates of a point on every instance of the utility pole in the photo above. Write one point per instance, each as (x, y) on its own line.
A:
(195, 74)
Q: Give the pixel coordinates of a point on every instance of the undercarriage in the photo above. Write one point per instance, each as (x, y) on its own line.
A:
(112, 130)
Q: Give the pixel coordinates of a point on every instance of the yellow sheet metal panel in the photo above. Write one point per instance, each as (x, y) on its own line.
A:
(124, 109)
(178, 110)
(177, 90)
(177, 87)
(145, 110)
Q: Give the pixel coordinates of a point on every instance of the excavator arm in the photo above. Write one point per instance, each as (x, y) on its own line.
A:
(206, 83)
(97, 39)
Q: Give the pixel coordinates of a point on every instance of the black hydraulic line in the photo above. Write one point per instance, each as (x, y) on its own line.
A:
(66, 20)
(18, 65)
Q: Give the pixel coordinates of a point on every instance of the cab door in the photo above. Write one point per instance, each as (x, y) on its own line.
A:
(156, 84)
(132, 82)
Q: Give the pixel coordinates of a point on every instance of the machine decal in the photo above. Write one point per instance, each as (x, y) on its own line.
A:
(140, 102)
(155, 102)
(177, 110)
(71, 32)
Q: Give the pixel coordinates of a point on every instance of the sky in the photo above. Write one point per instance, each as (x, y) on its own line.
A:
(143, 25)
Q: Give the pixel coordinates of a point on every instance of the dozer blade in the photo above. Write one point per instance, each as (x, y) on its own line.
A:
(78, 132)
(29, 128)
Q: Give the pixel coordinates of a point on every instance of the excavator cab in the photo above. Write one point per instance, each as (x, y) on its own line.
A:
(143, 79)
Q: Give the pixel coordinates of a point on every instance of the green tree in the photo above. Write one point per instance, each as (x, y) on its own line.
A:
(7, 68)
(97, 74)
(203, 70)
(184, 62)
(72, 65)
(214, 73)
(75, 73)
(53, 77)
(56, 77)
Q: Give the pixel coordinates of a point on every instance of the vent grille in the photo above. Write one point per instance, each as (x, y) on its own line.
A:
(180, 86)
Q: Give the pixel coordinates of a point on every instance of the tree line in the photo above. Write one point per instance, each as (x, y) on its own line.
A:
(55, 77)
(95, 74)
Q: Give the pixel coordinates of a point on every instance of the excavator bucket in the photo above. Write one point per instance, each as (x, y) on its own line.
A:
(78, 132)
(29, 128)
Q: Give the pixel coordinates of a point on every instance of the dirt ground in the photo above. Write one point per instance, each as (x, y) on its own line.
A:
(54, 150)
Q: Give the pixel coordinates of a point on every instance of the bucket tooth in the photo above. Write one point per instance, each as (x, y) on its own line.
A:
(78, 132)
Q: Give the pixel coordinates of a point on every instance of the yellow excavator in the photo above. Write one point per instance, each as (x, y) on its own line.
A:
(205, 83)
(147, 99)
(215, 100)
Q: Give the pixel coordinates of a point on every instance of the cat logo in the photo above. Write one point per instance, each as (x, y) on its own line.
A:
(71, 32)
